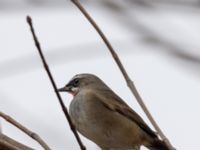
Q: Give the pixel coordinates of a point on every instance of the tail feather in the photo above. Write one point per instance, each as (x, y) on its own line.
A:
(158, 145)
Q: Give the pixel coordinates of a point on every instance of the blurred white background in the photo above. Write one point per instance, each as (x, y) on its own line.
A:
(157, 41)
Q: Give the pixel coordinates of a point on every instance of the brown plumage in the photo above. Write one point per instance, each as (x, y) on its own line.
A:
(103, 117)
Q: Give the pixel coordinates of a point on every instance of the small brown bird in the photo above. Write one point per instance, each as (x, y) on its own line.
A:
(103, 117)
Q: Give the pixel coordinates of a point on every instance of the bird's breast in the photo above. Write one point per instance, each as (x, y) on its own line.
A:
(85, 114)
(78, 112)
(75, 111)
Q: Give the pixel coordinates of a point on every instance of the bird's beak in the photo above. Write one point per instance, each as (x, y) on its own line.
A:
(64, 89)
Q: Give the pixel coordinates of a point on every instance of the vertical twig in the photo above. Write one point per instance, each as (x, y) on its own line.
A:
(37, 44)
(25, 130)
(129, 82)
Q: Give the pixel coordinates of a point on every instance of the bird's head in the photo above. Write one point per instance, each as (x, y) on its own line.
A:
(80, 82)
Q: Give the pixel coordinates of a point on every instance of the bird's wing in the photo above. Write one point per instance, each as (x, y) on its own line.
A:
(115, 103)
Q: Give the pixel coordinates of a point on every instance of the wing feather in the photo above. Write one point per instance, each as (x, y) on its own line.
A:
(115, 103)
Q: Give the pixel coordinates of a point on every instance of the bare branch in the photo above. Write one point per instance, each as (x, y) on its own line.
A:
(25, 130)
(129, 82)
(7, 146)
(6, 143)
(37, 44)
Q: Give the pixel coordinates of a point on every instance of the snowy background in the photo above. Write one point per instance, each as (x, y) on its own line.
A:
(158, 41)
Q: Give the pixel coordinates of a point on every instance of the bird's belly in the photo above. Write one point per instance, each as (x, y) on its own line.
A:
(107, 129)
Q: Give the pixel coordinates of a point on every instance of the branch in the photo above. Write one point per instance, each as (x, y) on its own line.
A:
(25, 130)
(129, 82)
(37, 44)
(6, 143)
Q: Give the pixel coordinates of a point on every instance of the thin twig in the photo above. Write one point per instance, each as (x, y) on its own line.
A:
(129, 82)
(25, 130)
(37, 44)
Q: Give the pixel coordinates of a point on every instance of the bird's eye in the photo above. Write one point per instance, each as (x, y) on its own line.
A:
(76, 82)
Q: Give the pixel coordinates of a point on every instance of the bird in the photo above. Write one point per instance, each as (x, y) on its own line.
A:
(100, 115)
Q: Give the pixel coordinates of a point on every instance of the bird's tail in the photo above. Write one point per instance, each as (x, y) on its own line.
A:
(158, 145)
